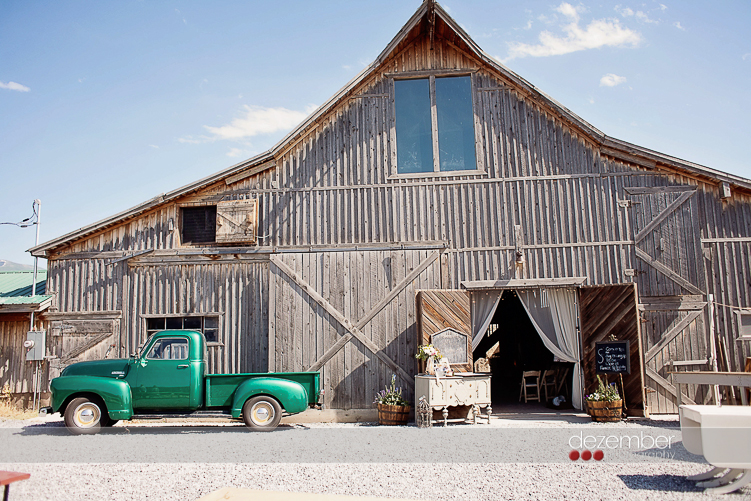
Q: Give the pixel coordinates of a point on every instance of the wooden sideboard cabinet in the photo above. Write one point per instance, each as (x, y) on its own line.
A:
(441, 393)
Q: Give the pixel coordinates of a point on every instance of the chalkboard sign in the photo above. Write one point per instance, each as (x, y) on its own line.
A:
(452, 345)
(612, 357)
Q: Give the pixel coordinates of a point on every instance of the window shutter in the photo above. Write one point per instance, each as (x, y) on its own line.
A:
(237, 221)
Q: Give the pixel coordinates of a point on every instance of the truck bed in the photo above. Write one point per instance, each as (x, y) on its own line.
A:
(220, 388)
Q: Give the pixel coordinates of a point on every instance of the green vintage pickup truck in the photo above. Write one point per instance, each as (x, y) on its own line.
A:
(168, 378)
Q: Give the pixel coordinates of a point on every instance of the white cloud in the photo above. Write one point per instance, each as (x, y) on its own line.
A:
(14, 86)
(591, 100)
(598, 33)
(641, 16)
(663, 7)
(625, 12)
(745, 56)
(611, 80)
(234, 152)
(677, 24)
(154, 146)
(257, 120)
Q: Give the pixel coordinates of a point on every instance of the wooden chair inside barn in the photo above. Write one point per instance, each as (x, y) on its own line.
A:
(530, 381)
(548, 382)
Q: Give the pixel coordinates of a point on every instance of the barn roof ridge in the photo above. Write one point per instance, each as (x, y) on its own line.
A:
(609, 146)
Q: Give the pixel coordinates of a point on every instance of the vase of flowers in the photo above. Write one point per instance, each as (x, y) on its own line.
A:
(430, 354)
(393, 409)
(605, 403)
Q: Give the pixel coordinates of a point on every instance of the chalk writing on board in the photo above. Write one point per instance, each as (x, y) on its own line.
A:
(452, 345)
(613, 357)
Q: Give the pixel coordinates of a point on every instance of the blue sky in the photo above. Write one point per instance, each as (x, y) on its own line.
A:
(104, 105)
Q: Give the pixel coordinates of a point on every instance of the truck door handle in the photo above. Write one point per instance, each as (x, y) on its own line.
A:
(183, 366)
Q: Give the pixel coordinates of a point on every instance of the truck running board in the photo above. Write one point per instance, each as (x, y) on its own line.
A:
(185, 415)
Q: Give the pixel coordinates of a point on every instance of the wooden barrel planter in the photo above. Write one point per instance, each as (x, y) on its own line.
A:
(605, 411)
(393, 415)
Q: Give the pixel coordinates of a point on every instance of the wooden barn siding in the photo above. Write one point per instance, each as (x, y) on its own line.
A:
(353, 282)
(14, 370)
(237, 290)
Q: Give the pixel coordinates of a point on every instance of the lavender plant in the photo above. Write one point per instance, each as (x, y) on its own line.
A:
(391, 395)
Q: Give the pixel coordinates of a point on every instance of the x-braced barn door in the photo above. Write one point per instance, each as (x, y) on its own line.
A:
(606, 310)
(670, 277)
(350, 315)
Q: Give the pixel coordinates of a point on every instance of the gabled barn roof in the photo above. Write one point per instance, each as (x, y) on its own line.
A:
(417, 26)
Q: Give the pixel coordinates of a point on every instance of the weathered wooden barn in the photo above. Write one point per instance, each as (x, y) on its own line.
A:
(436, 170)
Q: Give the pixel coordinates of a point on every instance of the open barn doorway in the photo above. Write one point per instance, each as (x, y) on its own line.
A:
(513, 347)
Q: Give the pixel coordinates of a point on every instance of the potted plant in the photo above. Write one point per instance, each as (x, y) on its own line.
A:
(431, 354)
(605, 403)
(393, 409)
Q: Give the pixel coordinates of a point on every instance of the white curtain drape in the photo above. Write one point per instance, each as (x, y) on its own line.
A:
(483, 307)
(554, 318)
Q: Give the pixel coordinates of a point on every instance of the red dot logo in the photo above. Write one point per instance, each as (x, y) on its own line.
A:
(599, 455)
(573, 455)
(586, 455)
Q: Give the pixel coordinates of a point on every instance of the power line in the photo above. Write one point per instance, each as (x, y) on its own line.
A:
(29, 221)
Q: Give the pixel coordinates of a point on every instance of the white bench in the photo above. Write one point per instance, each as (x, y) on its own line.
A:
(723, 436)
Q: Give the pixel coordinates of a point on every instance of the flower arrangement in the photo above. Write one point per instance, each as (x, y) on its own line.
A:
(604, 393)
(391, 395)
(425, 351)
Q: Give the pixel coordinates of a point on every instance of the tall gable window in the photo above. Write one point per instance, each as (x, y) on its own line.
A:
(434, 125)
(198, 224)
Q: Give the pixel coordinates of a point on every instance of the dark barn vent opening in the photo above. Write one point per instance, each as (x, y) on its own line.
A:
(198, 224)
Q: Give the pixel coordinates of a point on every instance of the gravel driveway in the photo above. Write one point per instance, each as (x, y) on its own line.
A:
(507, 460)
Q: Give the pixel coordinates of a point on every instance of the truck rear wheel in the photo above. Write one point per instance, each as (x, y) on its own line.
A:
(262, 413)
(83, 416)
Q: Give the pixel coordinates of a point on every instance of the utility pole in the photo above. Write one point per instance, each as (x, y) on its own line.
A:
(38, 204)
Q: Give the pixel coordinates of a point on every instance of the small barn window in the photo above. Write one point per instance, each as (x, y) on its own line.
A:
(434, 125)
(208, 325)
(198, 224)
(744, 324)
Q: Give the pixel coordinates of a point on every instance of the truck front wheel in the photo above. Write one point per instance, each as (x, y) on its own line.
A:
(262, 413)
(83, 416)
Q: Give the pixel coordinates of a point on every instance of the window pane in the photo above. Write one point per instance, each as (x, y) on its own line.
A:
(211, 322)
(193, 323)
(456, 128)
(210, 335)
(414, 139)
(157, 351)
(174, 323)
(155, 324)
(745, 325)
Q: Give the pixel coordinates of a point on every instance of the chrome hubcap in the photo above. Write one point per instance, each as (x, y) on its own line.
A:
(262, 413)
(87, 415)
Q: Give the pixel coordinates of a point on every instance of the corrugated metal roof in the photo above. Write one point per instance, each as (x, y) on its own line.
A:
(15, 287)
(17, 300)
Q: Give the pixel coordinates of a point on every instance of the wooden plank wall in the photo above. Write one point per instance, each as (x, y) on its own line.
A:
(353, 282)
(238, 291)
(14, 370)
(335, 185)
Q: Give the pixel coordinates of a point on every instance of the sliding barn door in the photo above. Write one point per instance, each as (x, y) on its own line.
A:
(606, 310)
(670, 277)
(444, 320)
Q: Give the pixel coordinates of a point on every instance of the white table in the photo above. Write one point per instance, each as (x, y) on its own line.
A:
(723, 436)
(470, 389)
